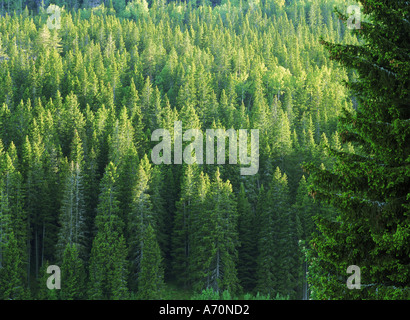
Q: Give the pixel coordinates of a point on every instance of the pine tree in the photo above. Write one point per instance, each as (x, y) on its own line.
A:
(108, 204)
(151, 277)
(182, 224)
(160, 214)
(259, 106)
(108, 261)
(12, 214)
(127, 180)
(11, 274)
(170, 194)
(247, 239)
(36, 185)
(72, 274)
(218, 250)
(140, 216)
(73, 217)
(43, 41)
(273, 247)
(305, 208)
(198, 241)
(370, 187)
(71, 120)
(121, 139)
(146, 102)
(281, 137)
(91, 176)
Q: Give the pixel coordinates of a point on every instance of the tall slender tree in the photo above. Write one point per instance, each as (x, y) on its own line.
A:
(72, 274)
(72, 218)
(108, 262)
(151, 278)
(247, 239)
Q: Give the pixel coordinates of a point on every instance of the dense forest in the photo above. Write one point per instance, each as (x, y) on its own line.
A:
(79, 103)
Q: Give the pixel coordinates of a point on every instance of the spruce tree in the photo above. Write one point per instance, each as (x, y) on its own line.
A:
(369, 186)
(140, 216)
(12, 282)
(219, 250)
(274, 247)
(247, 239)
(12, 214)
(151, 277)
(160, 214)
(108, 262)
(72, 274)
(199, 243)
(72, 217)
(182, 224)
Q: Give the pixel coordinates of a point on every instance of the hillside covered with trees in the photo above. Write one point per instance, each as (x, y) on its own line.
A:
(78, 106)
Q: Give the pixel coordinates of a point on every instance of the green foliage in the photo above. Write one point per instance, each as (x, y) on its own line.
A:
(43, 292)
(247, 252)
(207, 294)
(11, 275)
(277, 242)
(108, 262)
(210, 294)
(151, 276)
(72, 275)
(77, 109)
(368, 184)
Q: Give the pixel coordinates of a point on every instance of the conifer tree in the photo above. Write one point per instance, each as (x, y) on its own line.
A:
(273, 247)
(247, 239)
(219, 225)
(151, 277)
(182, 224)
(91, 176)
(11, 273)
(13, 216)
(72, 274)
(73, 217)
(197, 235)
(108, 262)
(108, 204)
(160, 214)
(305, 209)
(127, 180)
(35, 193)
(140, 216)
(370, 187)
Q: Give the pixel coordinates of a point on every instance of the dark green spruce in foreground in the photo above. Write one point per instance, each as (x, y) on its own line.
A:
(370, 187)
